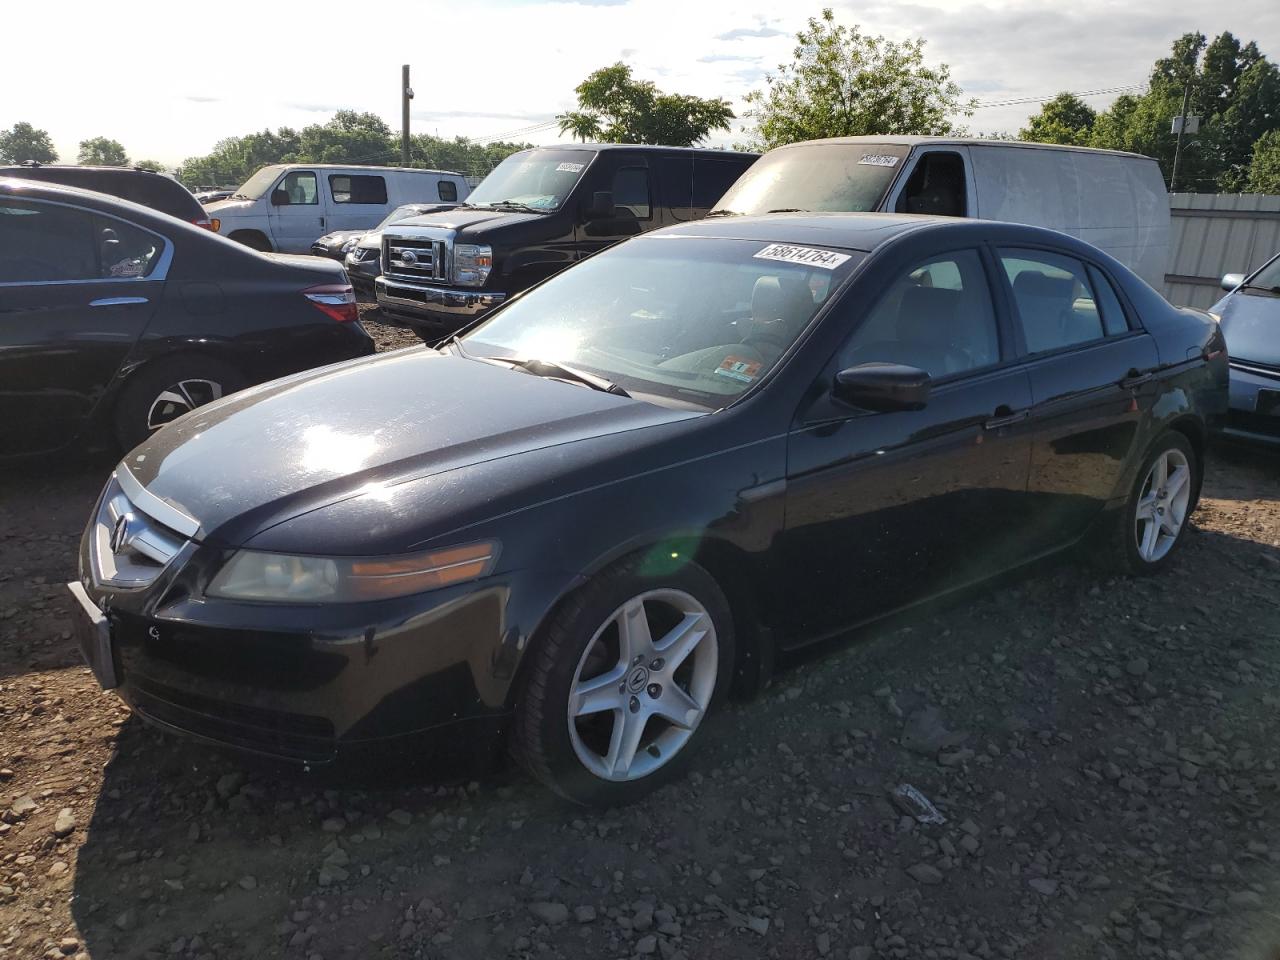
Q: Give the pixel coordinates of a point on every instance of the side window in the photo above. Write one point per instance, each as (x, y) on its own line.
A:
(42, 242)
(447, 190)
(712, 180)
(936, 186)
(127, 251)
(357, 188)
(937, 316)
(1054, 299)
(631, 192)
(1114, 320)
(676, 176)
(299, 188)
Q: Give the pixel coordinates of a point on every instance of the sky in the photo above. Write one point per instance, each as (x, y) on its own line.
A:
(169, 80)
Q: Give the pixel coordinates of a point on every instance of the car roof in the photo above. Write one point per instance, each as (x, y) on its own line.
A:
(913, 140)
(356, 166)
(19, 187)
(643, 147)
(855, 231)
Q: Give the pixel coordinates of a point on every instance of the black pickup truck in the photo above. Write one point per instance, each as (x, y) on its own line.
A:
(538, 212)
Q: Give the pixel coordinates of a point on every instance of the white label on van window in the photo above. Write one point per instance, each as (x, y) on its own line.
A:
(567, 167)
(879, 160)
(808, 256)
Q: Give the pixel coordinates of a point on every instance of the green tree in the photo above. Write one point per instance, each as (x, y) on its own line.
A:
(1264, 169)
(350, 137)
(460, 154)
(1064, 119)
(614, 106)
(155, 166)
(23, 143)
(234, 159)
(843, 82)
(101, 151)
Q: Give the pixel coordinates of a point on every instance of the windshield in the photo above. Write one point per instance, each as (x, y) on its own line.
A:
(1268, 276)
(259, 183)
(688, 318)
(542, 179)
(401, 213)
(849, 178)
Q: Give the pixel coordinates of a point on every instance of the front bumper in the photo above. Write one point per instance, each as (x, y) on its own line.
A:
(437, 309)
(362, 273)
(1254, 411)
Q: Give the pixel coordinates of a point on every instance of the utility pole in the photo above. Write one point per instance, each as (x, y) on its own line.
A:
(406, 94)
(1181, 123)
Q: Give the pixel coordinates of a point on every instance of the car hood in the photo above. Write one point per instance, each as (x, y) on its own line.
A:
(243, 464)
(1251, 324)
(339, 237)
(470, 220)
(230, 208)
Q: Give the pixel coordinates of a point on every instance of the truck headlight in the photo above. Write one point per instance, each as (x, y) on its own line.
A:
(283, 578)
(471, 264)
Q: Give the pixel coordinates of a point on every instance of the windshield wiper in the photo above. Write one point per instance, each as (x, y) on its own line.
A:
(238, 196)
(787, 210)
(1259, 286)
(722, 213)
(553, 368)
(516, 205)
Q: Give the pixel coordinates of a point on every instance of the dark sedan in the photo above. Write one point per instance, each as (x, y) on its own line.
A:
(1250, 316)
(578, 524)
(116, 319)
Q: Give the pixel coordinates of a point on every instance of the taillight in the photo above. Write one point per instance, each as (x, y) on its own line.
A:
(338, 300)
(207, 224)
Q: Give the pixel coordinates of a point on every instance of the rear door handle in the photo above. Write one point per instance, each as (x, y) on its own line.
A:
(1005, 417)
(117, 301)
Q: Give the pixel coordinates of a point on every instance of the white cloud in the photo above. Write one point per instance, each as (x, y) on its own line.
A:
(171, 86)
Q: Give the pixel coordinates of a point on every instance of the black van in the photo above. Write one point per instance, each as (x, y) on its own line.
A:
(150, 189)
(538, 212)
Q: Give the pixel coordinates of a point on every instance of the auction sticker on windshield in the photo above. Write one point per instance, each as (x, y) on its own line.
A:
(567, 167)
(879, 160)
(808, 256)
(739, 369)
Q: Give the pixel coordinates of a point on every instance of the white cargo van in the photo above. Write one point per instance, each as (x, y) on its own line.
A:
(1116, 201)
(284, 207)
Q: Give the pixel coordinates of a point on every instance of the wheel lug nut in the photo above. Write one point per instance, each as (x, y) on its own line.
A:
(637, 660)
(657, 664)
(622, 688)
(655, 690)
(634, 704)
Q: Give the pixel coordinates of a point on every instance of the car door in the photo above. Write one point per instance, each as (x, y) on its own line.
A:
(938, 182)
(1090, 367)
(629, 181)
(297, 211)
(884, 509)
(77, 289)
(359, 200)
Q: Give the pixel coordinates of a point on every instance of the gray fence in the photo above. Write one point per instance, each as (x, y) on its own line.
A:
(1217, 233)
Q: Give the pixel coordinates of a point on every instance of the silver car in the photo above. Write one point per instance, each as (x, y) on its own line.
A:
(1250, 318)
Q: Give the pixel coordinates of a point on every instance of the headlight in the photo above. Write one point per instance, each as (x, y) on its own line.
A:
(350, 245)
(361, 254)
(471, 264)
(252, 575)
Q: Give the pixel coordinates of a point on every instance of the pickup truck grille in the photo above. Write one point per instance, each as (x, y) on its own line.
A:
(410, 258)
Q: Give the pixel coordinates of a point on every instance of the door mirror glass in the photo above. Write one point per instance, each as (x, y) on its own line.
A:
(1232, 280)
(601, 206)
(279, 197)
(883, 387)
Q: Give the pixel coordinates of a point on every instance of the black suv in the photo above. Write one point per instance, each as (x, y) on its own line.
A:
(150, 189)
(538, 212)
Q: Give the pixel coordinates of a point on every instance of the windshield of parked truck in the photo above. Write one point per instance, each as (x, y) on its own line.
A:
(843, 177)
(258, 184)
(541, 179)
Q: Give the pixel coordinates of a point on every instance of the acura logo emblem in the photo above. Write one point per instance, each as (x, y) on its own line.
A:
(120, 533)
(637, 680)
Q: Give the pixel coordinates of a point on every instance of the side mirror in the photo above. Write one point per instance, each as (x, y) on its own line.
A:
(279, 198)
(601, 206)
(883, 387)
(1232, 280)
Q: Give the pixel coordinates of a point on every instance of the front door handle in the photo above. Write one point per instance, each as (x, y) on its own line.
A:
(1005, 417)
(117, 301)
(1135, 378)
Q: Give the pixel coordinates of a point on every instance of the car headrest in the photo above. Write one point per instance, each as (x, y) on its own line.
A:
(1033, 283)
(926, 313)
(781, 298)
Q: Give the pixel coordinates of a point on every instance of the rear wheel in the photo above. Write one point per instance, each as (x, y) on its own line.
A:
(622, 681)
(163, 391)
(252, 239)
(1157, 514)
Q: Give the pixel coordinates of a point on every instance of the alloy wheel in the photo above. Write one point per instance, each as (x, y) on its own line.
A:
(643, 685)
(179, 398)
(1162, 505)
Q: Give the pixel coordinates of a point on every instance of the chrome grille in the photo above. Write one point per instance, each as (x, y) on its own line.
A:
(413, 258)
(128, 547)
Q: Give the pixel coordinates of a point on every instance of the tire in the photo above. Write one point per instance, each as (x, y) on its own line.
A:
(579, 660)
(252, 239)
(1136, 547)
(165, 389)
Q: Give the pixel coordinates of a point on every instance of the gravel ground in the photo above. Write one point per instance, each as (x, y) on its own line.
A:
(1102, 752)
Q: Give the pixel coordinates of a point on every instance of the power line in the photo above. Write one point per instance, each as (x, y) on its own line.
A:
(1085, 93)
(521, 132)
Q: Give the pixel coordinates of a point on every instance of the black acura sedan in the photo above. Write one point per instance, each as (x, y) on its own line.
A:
(116, 319)
(574, 527)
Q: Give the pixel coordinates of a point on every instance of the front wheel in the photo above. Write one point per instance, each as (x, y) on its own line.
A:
(621, 682)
